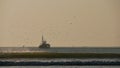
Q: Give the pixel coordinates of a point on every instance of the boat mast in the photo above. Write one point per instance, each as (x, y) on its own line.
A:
(42, 39)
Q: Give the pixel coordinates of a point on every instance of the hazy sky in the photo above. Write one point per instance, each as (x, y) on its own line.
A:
(74, 23)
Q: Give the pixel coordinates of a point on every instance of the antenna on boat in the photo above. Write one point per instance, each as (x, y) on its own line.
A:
(42, 38)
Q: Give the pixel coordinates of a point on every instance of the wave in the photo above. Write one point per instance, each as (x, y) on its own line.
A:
(44, 62)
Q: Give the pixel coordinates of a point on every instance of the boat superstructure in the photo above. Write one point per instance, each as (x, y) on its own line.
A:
(44, 44)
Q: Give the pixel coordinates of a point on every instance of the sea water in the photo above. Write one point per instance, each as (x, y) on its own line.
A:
(60, 67)
(60, 49)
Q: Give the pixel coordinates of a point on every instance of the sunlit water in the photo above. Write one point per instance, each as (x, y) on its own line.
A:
(60, 67)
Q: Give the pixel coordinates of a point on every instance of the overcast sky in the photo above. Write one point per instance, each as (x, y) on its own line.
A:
(64, 23)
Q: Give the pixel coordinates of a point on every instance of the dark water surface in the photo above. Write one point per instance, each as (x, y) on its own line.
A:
(60, 67)
(60, 50)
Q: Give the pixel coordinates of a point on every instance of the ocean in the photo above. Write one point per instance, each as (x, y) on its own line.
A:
(61, 49)
(60, 67)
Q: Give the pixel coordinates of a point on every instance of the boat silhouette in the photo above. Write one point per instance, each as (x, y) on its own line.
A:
(44, 44)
